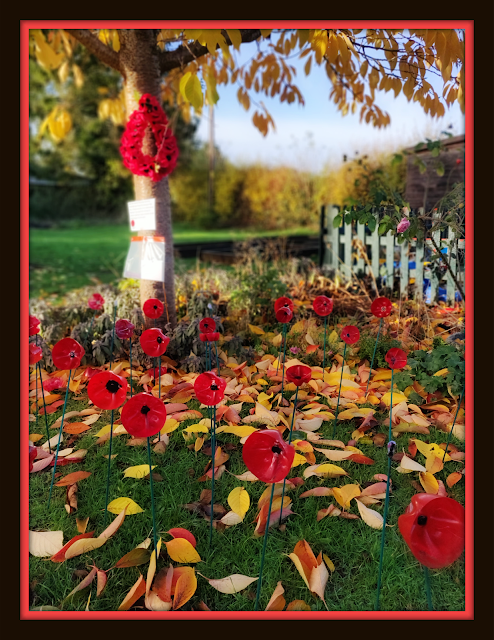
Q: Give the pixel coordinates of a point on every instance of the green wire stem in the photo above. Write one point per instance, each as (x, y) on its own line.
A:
(324, 351)
(152, 498)
(259, 581)
(339, 391)
(159, 389)
(217, 361)
(44, 407)
(386, 502)
(428, 589)
(59, 438)
(108, 470)
(283, 366)
(289, 442)
(130, 358)
(373, 355)
(213, 449)
(113, 333)
(454, 422)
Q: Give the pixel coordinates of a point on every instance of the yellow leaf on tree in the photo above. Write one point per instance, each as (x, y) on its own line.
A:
(181, 550)
(119, 504)
(239, 501)
(138, 472)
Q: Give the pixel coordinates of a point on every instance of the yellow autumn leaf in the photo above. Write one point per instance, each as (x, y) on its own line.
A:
(196, 428)
(397, 398)
(277, 340)
(170, 425)
(239, 501)
(326, 470)
(382, 375)
(429, 482)
(344, 495)
(441, 372)
(119, 504)
(45, 55)
(257, 330)
(138, 472)
(369, 516)
(242, 432)
(298, 460)
(181, 550)
(431, 448)
(262, 382)
(193, 92)
(263, 399)
(34, 437)
(298, 327)
(198, 444)
(329, 562)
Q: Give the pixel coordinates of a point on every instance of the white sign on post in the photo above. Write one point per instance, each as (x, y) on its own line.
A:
(142, 215)
(146, 258)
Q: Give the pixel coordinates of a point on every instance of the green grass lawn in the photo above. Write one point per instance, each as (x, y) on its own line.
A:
(65, 259)
(350, 544)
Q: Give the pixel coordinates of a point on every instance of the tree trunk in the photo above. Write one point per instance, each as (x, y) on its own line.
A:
(140, 69)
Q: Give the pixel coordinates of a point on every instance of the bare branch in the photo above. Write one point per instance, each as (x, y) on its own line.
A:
(184, 54)
(96, 47)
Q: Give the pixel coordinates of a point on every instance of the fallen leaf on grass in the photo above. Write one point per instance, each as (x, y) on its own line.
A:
(43, 544)
(344, 495)
(76, 427)
(39, 465)
(298, 605)
(247, 476)
(134, 558)
(138, 472)
(277, 601)
(183, 533)
(335, 455)
(185, 587)
(60, 555)
(71, 499)
(84, 546)
(102, 579)
(318, 491)
(181, 550)
(429, 483)
(120, 504)
(231, 584)
(137, 591)
(82, 524)
(410, 465)
(239, 501)
(369, 516)
(324, 470)
(82, 585)
(330, 511)
(71, 478)
(453, 478)
(360, 459)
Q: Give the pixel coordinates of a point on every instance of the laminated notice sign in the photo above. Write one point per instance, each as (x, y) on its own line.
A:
(142, 215)
(146, 258)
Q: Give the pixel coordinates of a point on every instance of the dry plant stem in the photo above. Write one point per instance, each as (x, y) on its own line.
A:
(453, 425)
(259, 581)
(59, 438)
(365, 257)
(213, 448)
(108, 470)
(339, 392)
(44, 407)
(289, 442)
(448, 267)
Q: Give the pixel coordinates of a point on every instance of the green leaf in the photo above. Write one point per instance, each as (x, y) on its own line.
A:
(397, 158)
(440, 169)
(337, 221)
(372, 224)
(382, 228)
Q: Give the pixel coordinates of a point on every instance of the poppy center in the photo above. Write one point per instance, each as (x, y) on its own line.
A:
(421, 520)
(72, 354)
(214, 387)
(155, 306)
(113, 386)
(145, 409)
(159, 340)
(276, 449)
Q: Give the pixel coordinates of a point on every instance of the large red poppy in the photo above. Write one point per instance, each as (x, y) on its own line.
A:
(124, 329)
(67, 354)
(33, 325)
(396, 358)
(96, 302)
(107, 390)
(268, 456)
(207, 325)
(283, 302)
(35, 353)
(284, 314)
(381, 307)
(209, 337)
(143, 415)
(323, 305)
(434, 529)
(350, 334)
(298, 374)
(154, 342)
(209, 388)
(153, 308)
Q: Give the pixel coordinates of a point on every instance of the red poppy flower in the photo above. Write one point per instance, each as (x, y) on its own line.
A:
(350, 334)
(143, 415)
(124, 329)
(153, 308)
(207, 325)
(284, 314)
(67, 354)
(268, 456)
(323, 305)
(33, 325)
(96, 302)
(381, 307)
(283, 302)
(298, 374)
(35, 353)
(52, 383)
(209, 388)
(154, 342)
(156, 371)
(107, 390)
(434, 529)
(33, 452)
(396, 358)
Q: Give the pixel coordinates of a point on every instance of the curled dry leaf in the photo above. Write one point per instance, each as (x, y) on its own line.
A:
(134, 558)
(43, 544)
(231, 584)
(137, 591)
(453, 478)
(277, 601)
(71, 478)
(83, 584)
(330, 511)
(369, 516)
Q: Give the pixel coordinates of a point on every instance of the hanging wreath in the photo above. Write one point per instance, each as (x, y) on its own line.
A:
(149, 115)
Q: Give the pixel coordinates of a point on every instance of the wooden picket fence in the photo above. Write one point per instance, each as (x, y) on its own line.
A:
(389, 260)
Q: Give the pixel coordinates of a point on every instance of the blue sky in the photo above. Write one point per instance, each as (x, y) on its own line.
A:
(314, 136)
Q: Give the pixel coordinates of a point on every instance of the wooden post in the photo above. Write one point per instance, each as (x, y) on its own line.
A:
(361, 236)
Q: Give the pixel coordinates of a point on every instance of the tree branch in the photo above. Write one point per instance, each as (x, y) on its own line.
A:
(169, 60)
(96, 47)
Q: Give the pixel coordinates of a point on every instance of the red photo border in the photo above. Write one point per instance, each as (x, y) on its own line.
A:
(25, 25)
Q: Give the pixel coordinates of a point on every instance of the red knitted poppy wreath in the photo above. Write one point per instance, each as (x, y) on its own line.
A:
(151, 116)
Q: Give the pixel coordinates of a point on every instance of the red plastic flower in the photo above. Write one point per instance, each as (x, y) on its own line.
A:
(396, 358)
(207, 325)
(350, 334)
(154, 342)
(33, 452)
(33, 325)
(124, 329)
(67, 354)
(381, 307)
(283, 302)
(53, 383)
(96, 302)
(284, 314)
(268, 456)
(153, 308)
(298, 374)
(157, 371)
(209, 388)
(143, 415)
(434, 529)
(209, 337)
(323, 305)
(35, 353)
(107, 390)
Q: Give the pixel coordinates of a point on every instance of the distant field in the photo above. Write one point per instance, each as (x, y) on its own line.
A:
(65, 259)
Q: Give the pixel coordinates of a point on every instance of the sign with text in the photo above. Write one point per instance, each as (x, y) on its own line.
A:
(146, 258)
(142, 215)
